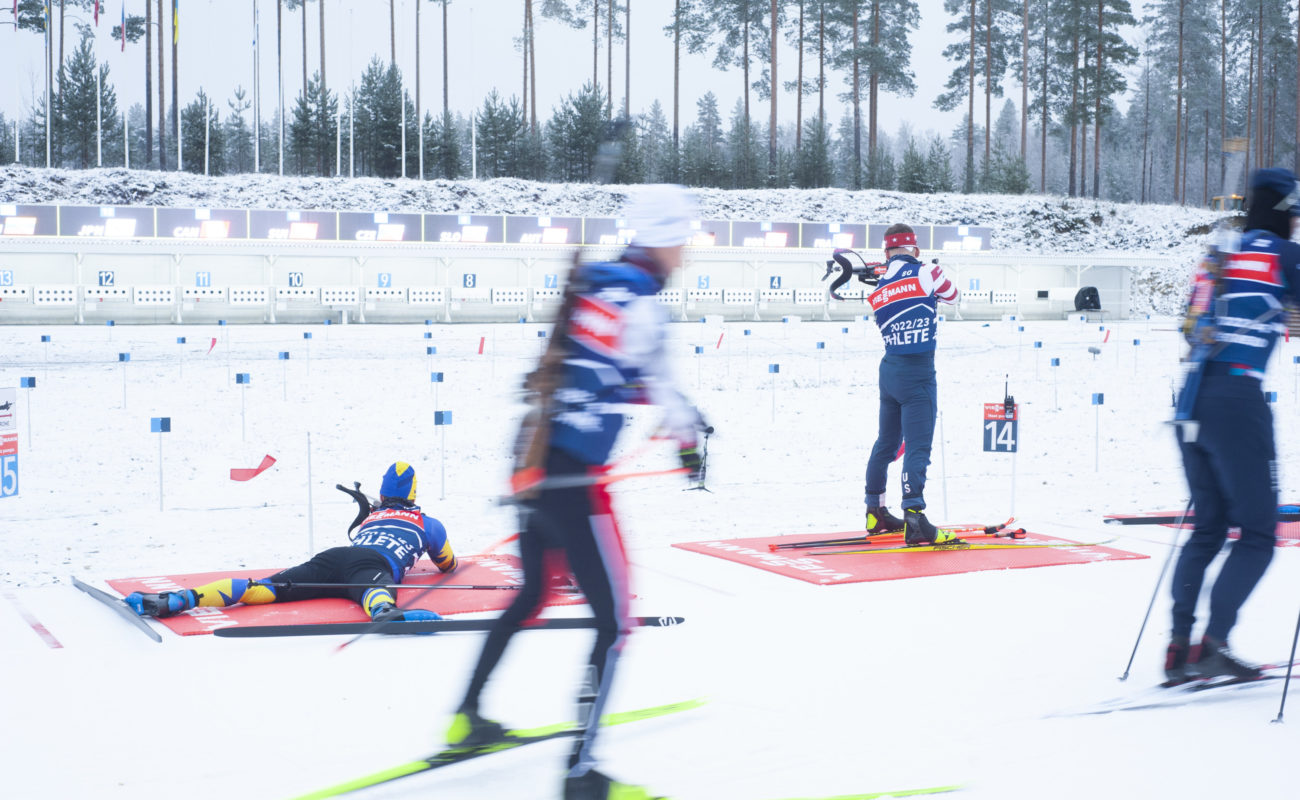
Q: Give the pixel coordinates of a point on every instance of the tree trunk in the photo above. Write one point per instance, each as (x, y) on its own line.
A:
(798, 98)
(1096, 116)
(970, 109)
(304, 49)
(988, 79)
(1205, 168)
(1178, 105)
(1042, 169)
(857, 108)
(532, 65)
(1250, 103)
(821, 66)
(526, 45)
(873, 82)
(627, 60)
(392, 32)
(148, 84)
(677, 71)
(771, 125)
(446, 103)
(1072, 188)
(609, 59)
(1024, 84)
(1146, 126)
(323, 93)
(745, 74)
(176, 91)
(1259, 89)
(595, 43)
(1223, 96)
(162, 96)
(62, 26)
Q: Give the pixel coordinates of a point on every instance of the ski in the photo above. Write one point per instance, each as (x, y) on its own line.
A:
(1289, 513)
(882, 795)
(897, 536)
(1182, 694)
(120, 606)
(430, 626)
(962, 544)
(512, 740)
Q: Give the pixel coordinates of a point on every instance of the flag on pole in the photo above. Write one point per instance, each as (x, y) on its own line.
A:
(176, 22)
(96, 13)
(123, 26)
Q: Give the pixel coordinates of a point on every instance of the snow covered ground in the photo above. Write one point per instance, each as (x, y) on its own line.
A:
(813, 691)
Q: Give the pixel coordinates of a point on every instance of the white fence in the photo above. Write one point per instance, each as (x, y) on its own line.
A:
(75, 280)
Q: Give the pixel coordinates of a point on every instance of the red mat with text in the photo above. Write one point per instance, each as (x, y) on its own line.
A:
(487, 570)
(807, 565)
(1288, 533)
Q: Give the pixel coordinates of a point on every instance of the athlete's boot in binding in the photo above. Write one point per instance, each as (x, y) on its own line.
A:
(1216, 660)
(879, 520)
(468, 729)
(163, 604)
(593, 785)
(918, 530)
(1177, 654)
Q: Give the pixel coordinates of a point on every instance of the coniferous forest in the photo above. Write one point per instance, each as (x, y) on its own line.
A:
(1151, 101)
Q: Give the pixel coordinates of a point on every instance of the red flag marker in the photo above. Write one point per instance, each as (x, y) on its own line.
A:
(249, 474)
(481, 339)
(1106, 338)
(212, 346)
(718, 346)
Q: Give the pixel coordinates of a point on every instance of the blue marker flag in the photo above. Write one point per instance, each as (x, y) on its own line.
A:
(442, 418)
(431, 350)
(844, 330)
(747, 331)
(435, 377)
(123, 356)
(221, 322)
(698, 349)
(1098, 399)
(306, 334)
(284, 355)
(242, 377)
(428, 334)
(45, 337)
(110, 323)
(773, 368)
(180, 340)
(1137, 342)
(1056, 362)
(26, 383)
(1270, 397)
(1021, 328)
(1038, 345)
(160, 425)
(821, 345)
(541, 334)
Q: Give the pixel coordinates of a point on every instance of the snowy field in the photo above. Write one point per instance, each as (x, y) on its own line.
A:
(812, 691)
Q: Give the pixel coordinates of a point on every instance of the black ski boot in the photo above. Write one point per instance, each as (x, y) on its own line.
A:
(879, 520)
(919, 531)
(595, 785)
(1176, 658)
(1215, 660)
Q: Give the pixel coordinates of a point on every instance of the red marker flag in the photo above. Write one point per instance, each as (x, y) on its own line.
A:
(123, 26)
(481, 339)
(97, 14)
(249, 474)
(212, 346)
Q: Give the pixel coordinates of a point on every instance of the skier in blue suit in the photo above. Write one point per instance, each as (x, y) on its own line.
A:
(1225, 428)
(904, 304)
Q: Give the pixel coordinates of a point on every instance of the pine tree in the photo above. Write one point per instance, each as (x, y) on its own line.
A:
(6, 140)
(77, 109)
(656, 145)
(742, 151)
(912, 173)
(574, 134)
(202, 138)
(442, 143)
(238, 135)
(813, 159)
(703, 146)
(938, 167)
(499, 128)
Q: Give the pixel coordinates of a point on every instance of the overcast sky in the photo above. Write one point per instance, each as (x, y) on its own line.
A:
(216, 54)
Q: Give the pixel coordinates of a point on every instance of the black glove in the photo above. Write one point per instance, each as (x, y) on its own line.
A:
(690, 458)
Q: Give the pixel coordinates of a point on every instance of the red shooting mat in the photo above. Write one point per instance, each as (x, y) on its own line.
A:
(483, 570)
(806, 565)
(1288, 533)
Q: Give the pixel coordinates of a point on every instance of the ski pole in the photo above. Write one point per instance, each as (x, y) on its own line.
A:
(309, 585)
(1287, 684)
(1160, 580)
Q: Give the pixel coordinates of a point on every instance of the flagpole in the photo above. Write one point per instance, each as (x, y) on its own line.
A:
(257, 95)
(49, 79)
